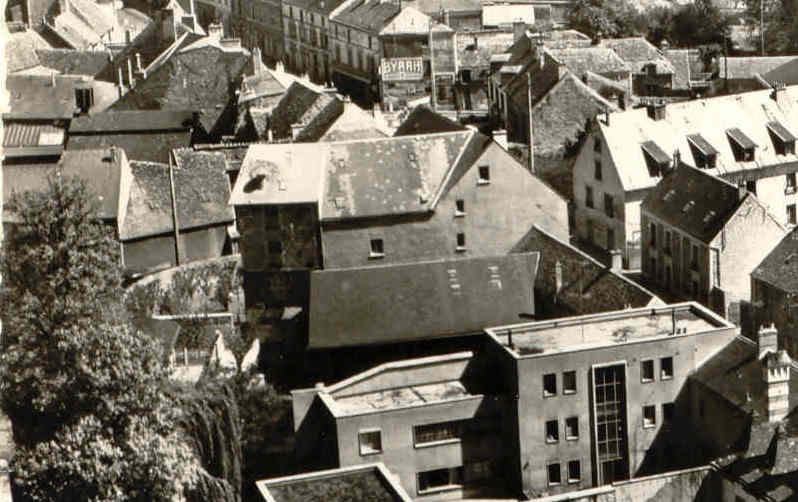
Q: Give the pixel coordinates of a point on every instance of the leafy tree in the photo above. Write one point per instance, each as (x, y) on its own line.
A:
(604, 18)
(82, 389)
(781, 24)
(699, 23)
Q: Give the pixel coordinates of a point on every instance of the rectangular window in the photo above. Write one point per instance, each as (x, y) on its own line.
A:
(597, 169)
(791, 214)
(484, 175)
(554, 474)
(647, 371)
(667, 414)
(609, 207)
(550, 385)
(552, 431)
(377, 249)
(574, 471)
(440, 479)
(666, 368)
(649, 416)
(751, 186)
(694, 261)
(588, 196)
(652, 230)
(459, 207)
(572, 428)
(667, 242)
(610, 238)
(597, 145)
(434, 433)
(275, 247)
(790, 183)
(370, 442)
(461, 241)
(569, 382)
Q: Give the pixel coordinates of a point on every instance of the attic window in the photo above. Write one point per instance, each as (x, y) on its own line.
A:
(709, 217)
(377, 249)
(687, 207)
(742, 146)
(669, 195)
(656, 159)
(783, 140)
(704, 153)
(484, 175)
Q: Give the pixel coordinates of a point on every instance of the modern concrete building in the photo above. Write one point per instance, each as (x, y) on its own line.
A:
(544, 408)
(695, 235)
(747, 139)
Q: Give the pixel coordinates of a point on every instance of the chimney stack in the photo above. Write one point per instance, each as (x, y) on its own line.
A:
(779, 93)
(257, 61)
(656, 111)
(215, 31)
(767, 340)
(616, 260)
(776, 376)
(500, 137)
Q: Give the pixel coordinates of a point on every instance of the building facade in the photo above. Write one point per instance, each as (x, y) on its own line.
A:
(259, 23)
(745, 139)
(306, 30)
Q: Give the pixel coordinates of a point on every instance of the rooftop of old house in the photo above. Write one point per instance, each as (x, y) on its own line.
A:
(606, 329)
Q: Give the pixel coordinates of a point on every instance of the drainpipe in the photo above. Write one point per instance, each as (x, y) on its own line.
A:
(175, 224)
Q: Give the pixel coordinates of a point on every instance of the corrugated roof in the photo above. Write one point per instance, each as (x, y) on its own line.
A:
(201, 189)
(749, 112)
(18, 134)
(711, 200)
(399, 303)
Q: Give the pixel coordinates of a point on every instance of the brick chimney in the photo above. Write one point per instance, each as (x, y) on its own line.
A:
(656, 111)
(779, 93)
(257, 61)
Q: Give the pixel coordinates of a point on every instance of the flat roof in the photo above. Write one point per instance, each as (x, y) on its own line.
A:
(606, 329)
(401, 397)
(362, 483)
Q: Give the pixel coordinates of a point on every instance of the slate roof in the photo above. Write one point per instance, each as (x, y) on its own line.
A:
(368, 15)
(780, 267)
(735, 68)
(201, 78)
(201, 189)
(73, 62)
(304, 105)
(638, 52)
(409, 21)
(423, 120)
(20, 50)
(750, 112)
(711, 201)
(786, 73)
(353, 123)
(560, 116)
(34, 97)
(599, 60)
(418, 301)
(680, 61)
(132, 121)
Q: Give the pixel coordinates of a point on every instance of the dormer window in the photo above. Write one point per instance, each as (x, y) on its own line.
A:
(704, 153)
(656, 159)
(783, 140)
(742, 146)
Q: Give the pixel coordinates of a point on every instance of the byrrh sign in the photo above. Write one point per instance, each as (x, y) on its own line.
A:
(402, 69)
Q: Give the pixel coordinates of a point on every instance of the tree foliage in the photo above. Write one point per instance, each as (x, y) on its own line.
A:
(83, 390)
(606, 19)
(780, 24)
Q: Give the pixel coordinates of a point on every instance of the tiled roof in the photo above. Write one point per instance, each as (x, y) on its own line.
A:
(423, 120)
(201, 189)
(606, 87)
(193, 79)
(561, 115)
(102, 171)
(638, 52)
(20, 50)
(711, 118)
(130, 121)
(73, 62)
(399, 303)
(693, 201)
(599, 60)
(780, 267)
(353, 123)
(749, 67)
(476, 50)
(785, 73)
(680, 61)
(365, 483)
(368, 15)
(35, 97)
(307, 106)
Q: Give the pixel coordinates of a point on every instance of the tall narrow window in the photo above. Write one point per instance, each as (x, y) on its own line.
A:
(649, 416)
(554, 474)
(666, 368)
(461, 241)
(550, 385)
(647, 371)
(377, 249)
(667, 414)
(484, 175)
(588, 196)
(569, 382)
(652, 230)
(790, 183)
(574, 471)
(572, 428)
(597, 169)
(609, 206)
(791, 214)
(552, 431)
(459, 206)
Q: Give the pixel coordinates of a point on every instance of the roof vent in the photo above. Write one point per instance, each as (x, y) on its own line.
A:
(669, 195)
(709, 216)
(688, 206)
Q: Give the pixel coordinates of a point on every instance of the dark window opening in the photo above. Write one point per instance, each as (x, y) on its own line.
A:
(574, 471)
(647, 371)
(649, 416)
(554, 474)
(440, 478)
(552, 431)
(377, 248)
(569, 382)
(572, 428)
(666, 368)
(550, 384)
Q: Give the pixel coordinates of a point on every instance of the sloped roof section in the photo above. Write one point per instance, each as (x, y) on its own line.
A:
(369, 15)
(694, 201)
(35, 97)
(749, 67)
(750, 112)
(400, 303)
(423, 120)
(601, 60)
(638, 52)
(201, 189)
(399, 175)
(354, 123)
(73, 62)
(102, 171)
(780, 267)
(409, 21)
(20, 50)
(312, 108)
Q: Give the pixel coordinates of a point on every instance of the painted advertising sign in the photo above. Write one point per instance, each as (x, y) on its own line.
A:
(393, 69)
